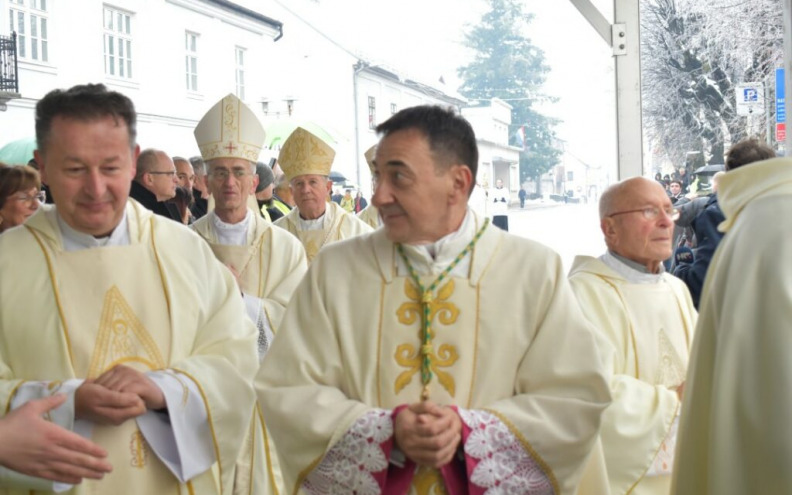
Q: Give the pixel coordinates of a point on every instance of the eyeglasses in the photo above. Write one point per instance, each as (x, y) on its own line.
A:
(651, 212)
(40, 196)
(221, 174)
(169, 172)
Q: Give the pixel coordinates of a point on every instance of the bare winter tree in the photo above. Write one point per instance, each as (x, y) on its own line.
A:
(693, 55)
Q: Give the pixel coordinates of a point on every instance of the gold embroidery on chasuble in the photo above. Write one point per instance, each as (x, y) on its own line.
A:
(443, 355)
(311, 250)
(246, 261)
(672, 370)
(428, 481)
(139, 451)
(122, 339)
(119, 315)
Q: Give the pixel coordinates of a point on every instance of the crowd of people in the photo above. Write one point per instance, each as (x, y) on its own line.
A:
(221, 325)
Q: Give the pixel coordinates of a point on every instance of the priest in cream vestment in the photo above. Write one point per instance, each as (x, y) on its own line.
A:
(370, 214)
(151, 347)
(645, 319)
(455, 360)
(306, 160)
(734, 431)
(267, 261)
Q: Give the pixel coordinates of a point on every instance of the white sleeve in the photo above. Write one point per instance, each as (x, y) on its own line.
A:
(254, 307)
(62, 416)
(180, 437)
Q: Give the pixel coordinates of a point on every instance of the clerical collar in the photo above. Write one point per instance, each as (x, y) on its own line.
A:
(74, 240)
(632, 271)
(231, 234)
(314, 224)
(432, 258)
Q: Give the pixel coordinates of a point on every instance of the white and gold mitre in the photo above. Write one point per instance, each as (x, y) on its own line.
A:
(303, 153)
(230, 130)
(369, 156)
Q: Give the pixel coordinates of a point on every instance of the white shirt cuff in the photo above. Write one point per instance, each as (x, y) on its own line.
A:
(180, 437)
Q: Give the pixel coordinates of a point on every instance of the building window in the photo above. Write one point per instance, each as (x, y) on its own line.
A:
(240, 73)
(29, 19)
(372, 105)
(570, 175)
(191, 60)
(117, 43)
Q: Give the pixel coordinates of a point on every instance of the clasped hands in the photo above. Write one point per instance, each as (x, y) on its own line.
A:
(118, 394)
(427, 433)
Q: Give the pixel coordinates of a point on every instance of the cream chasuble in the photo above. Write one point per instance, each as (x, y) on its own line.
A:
(734, 430)
(517, 361)
(270, 264)
(645, 325)
(76, 314)
(337, 224)
(370, 216)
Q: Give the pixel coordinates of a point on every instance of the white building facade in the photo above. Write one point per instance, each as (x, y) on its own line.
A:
(497, 159)
(173, 58)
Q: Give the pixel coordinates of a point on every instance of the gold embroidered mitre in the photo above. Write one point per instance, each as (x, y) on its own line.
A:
(230, 130)
(303, 153)
(369, 156)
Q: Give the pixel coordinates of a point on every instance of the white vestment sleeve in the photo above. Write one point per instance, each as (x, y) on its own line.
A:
(62, 416)
(254, 306)
(180, 438)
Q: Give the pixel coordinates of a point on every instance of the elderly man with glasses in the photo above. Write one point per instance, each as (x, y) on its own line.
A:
(267, 261)
(155, 183)
(645, 319)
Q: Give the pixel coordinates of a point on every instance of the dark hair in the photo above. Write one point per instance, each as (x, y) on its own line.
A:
(199, 167)
(183, 197)
(15, 179)
(748, 151)
(451, 138)
(676, 181)
(265, 175)
(84, 102)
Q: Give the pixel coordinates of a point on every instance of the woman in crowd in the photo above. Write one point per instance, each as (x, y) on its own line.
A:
(20, 195)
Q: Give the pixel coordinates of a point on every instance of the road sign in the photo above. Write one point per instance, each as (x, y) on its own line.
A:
(781, 132)
(780, 100)
(750, 98)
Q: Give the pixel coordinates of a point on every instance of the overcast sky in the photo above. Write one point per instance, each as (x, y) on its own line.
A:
(423, 38)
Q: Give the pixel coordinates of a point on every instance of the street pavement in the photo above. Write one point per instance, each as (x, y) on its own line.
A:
(569, 229)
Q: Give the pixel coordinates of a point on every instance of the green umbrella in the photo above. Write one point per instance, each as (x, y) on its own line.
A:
(18, 152)
(279, 130)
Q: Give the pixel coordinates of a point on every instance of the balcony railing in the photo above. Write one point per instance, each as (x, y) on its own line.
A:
(9, 72)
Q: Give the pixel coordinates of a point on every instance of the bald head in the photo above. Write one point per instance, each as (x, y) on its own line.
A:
(635, 217)
(716, 180)
(157, 173)
(616, 193)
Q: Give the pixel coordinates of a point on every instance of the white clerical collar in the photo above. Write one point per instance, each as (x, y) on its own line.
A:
(313, 224)
(231, 234)
(436, 256)
(74, 240)
(633, 272)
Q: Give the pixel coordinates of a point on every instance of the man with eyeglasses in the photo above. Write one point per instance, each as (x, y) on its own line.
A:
(645, 320)
(155, 183)
(101, 304)
(316, 222)
(267, 261)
